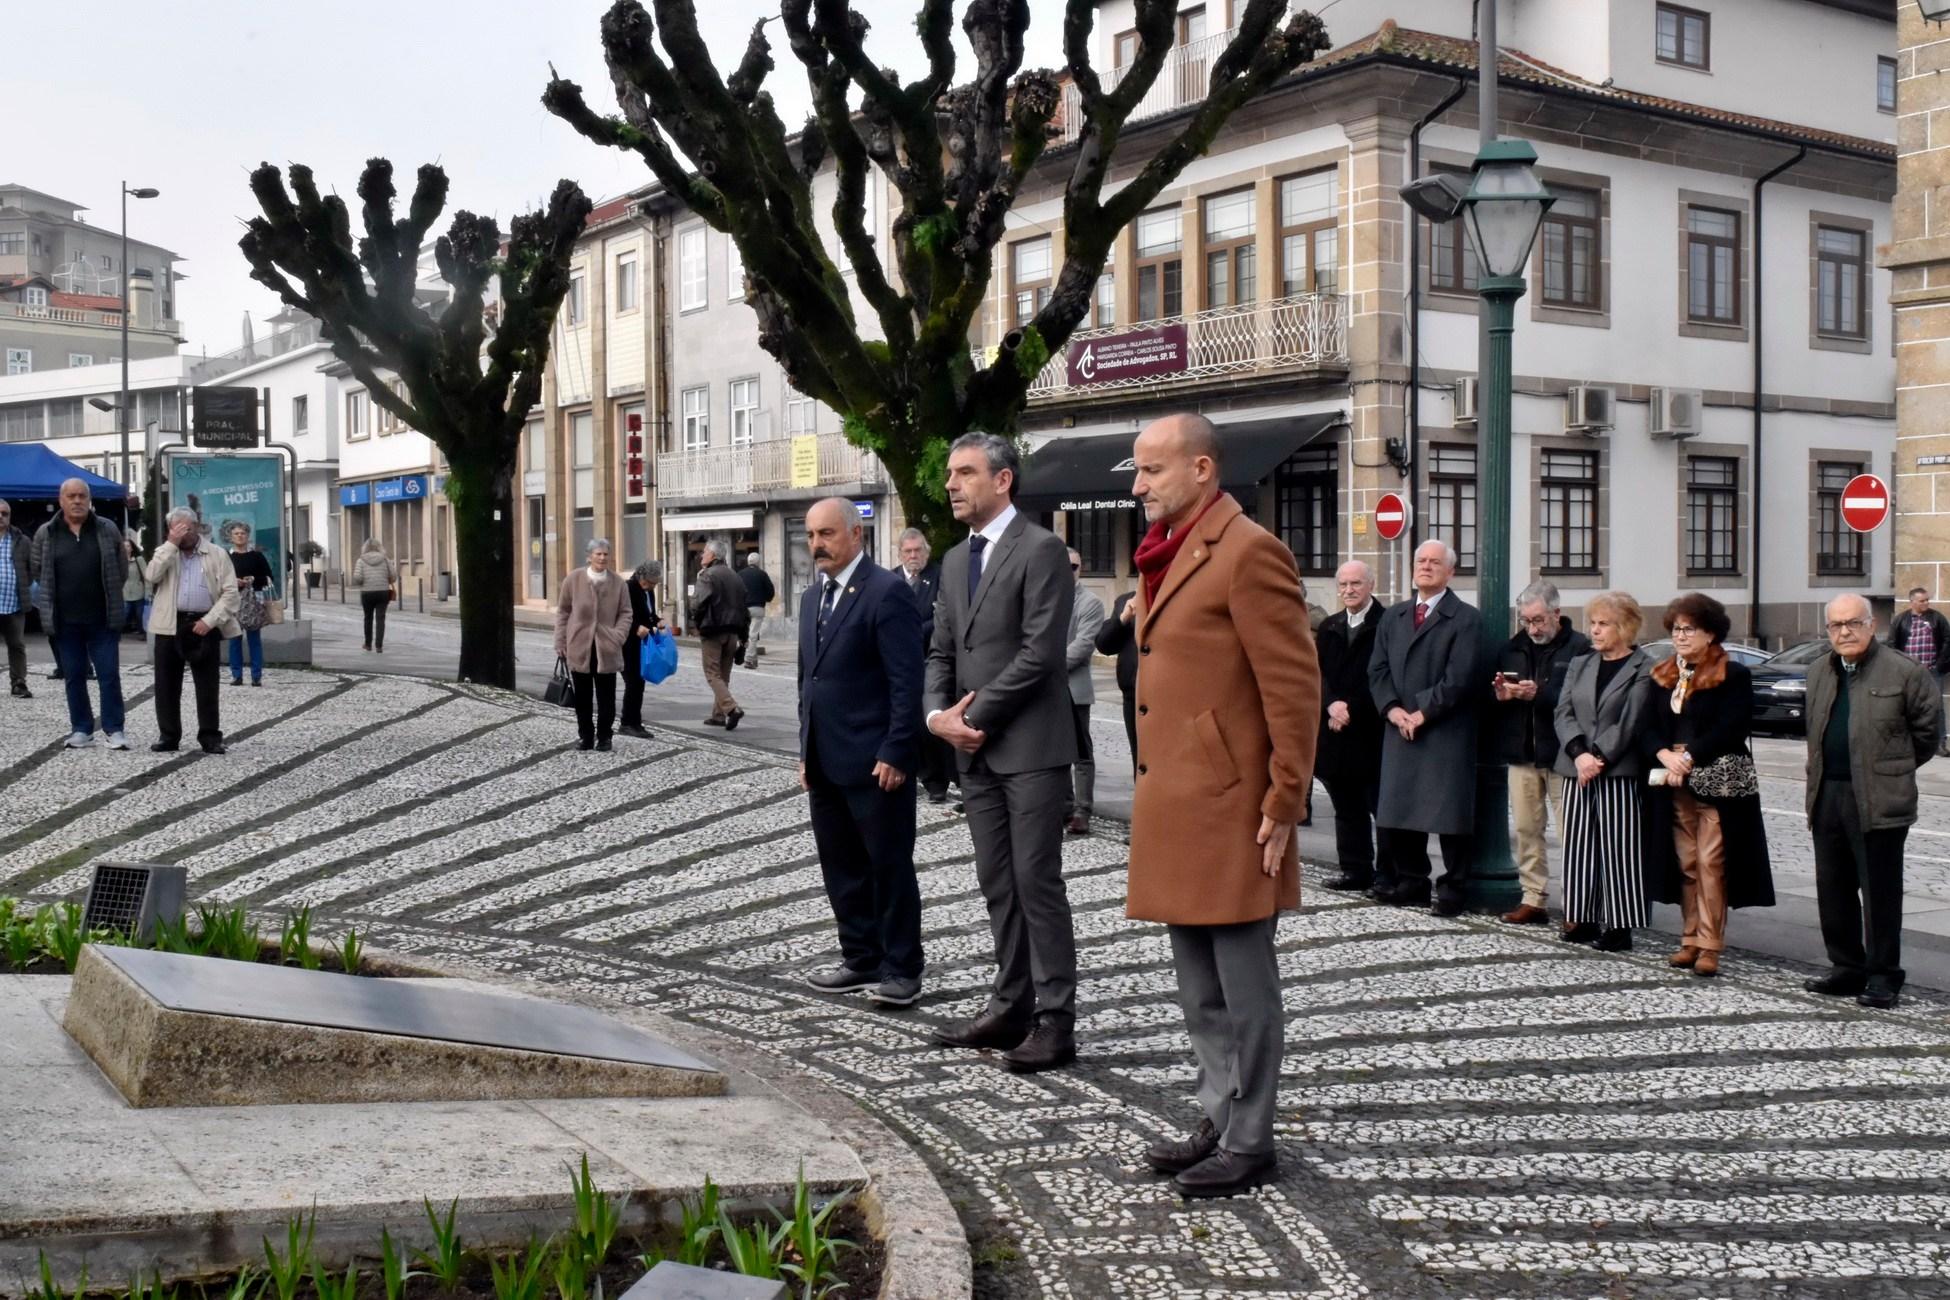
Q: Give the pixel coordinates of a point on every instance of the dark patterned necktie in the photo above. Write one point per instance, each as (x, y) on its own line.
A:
(1421, 614)
(826, 602)
(976, 545)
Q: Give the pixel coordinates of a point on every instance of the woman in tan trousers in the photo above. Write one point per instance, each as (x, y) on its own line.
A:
(592, 620)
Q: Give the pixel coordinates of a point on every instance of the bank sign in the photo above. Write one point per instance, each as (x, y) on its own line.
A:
(1132, 355)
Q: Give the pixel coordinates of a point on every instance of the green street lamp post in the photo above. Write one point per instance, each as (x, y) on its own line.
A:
(1501, 212)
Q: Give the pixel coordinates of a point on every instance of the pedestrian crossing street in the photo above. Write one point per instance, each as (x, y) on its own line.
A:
(1468, 1109)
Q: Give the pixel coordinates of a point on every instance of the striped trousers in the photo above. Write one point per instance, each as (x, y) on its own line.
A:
(1604, 853)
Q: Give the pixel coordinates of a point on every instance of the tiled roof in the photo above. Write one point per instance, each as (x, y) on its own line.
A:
(1515, 66)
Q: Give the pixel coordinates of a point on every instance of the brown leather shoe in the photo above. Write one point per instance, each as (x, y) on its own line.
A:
(1048, 1046)
(988, 1030)
(1176, 1155)
(1706, 964)
(1525, 914)
(1684, 957)
(1078, 824)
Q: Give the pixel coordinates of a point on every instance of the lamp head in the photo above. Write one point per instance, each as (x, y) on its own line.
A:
(144, 193)
(1436, 198)
(1504, 207)
(102, 404)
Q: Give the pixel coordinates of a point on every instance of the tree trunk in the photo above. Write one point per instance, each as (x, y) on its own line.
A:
(482, 495)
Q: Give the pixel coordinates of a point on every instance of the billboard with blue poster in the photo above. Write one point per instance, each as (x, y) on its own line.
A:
(229, 489)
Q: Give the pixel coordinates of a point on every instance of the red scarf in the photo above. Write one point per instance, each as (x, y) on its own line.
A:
(1156, 552)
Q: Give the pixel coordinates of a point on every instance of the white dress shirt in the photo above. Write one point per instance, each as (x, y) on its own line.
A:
(992, 530)
(1356, 617)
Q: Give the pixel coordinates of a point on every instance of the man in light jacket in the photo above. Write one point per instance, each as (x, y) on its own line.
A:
(1228, 719)
(195, 609)
(1086, 617)
(1872, 721)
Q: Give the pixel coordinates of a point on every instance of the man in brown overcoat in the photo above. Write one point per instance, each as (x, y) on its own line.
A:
(1228, 716)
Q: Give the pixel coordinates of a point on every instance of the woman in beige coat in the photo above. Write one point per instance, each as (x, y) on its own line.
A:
(592, 618)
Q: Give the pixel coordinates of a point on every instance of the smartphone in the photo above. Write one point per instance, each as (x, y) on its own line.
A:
(1512, 677)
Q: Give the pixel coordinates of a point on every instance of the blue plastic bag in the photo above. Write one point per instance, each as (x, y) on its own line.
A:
(658, 657)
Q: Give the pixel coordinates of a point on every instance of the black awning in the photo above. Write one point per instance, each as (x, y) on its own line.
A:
(1094, 471)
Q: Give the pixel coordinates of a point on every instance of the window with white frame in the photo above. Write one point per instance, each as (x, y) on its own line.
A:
(1231, 249)
(13, 243)
(20, 361)
(582, 458)
(576, 306)
(692, 269)
(80, 359)
(1103, 311)
(1886, 84)
(696, 406)
(626, 283)
(1160, 265)
(35, 296)
(1029, 277)
(744, 411)
(300, 413)
(355, 416)
(734, 270)
(799, 414)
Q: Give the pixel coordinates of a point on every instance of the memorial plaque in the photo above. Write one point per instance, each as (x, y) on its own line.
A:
(323, 999)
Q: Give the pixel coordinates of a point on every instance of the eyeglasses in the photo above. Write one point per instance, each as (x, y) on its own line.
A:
(1537, 620)
(1848, 625)
(1684, 630)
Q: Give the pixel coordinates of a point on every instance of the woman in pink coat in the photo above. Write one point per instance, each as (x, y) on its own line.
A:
(592, 619)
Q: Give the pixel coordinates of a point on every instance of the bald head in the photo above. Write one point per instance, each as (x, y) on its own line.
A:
(1354, 584)
(76, 502)
(833, 534)
(1177, 461)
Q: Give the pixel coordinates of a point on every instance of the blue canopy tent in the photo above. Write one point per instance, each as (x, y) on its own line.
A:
(30, 471)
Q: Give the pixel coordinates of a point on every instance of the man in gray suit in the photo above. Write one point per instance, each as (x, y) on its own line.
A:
(998, 692)
(1424, 674)
(1086, 617)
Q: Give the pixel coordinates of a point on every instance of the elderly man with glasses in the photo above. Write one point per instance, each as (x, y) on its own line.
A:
(1872, 721)
(1528, 678)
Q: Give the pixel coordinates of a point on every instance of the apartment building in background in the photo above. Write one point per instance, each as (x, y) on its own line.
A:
(61, 288)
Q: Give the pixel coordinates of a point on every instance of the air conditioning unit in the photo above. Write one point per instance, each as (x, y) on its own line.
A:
(1676, 412)
(1465, 401)
(1587, 408)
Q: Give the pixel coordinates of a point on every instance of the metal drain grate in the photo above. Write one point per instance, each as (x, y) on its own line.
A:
(131, 897)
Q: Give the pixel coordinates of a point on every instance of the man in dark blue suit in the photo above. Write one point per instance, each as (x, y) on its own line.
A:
(923, 579)
(860, 673)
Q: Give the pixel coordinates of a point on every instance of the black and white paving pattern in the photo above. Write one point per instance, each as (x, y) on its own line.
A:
(1468, 1110)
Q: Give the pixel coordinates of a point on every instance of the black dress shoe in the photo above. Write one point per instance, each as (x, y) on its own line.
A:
(1226, 1173)
(163, 747)
(21, 692)
(1444, 905)
(1582, 932)
(1176, 1155)
(602, 746)
(1048, 1046)
(585, 744)
(1881, 999)
(1613, 941)
(733, 718)
(938, 796)
(631, 729)
(1835, 984)
(1405, 895)
(987, 1031)
(217, 748)
(1348, 882)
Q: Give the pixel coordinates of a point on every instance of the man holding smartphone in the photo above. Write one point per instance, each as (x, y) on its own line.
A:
(1529, 676)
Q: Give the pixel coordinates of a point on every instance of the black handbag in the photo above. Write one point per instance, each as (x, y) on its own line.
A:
(561, 688)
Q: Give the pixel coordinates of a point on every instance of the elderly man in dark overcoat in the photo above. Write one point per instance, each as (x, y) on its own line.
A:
(1228, 716)
(1424, 674)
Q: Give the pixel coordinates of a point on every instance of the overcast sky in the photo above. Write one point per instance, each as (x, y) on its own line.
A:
(189, 97)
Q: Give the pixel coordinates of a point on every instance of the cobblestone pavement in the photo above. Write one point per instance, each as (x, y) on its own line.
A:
(1468, 1110)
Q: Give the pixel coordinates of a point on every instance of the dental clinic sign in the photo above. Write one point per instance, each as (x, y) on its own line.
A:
(1132, 355)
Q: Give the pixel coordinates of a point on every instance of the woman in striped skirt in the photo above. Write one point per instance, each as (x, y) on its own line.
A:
(1599, 715)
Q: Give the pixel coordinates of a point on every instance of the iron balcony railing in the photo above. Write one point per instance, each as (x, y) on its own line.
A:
(1306, 331)
(759, 467)
(1182, 82)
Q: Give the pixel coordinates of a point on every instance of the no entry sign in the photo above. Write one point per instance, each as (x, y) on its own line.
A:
(1865, 503)
(1391, 516)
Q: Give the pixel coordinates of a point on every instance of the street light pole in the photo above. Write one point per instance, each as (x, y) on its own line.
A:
(122, 403)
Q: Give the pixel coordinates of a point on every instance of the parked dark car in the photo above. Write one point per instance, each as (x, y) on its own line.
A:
(1781, 689)
(1745, 654)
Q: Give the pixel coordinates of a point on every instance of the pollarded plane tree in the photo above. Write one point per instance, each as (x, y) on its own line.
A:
(956, 155)
(469, 372)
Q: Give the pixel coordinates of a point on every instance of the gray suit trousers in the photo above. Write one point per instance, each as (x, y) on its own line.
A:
(1229, 988)
(1016, 822)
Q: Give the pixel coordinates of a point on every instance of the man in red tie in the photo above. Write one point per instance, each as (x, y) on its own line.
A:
(1424, 674)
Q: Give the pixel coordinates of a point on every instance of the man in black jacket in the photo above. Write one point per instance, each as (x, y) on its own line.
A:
(1529, 677)
(643, 621)
(719, 615)
(1924, 635)
(1349, 757)
(758, 594)
(923, 579)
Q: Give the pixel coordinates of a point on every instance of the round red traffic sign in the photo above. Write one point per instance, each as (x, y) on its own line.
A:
(1865, 503)
(1391, 515)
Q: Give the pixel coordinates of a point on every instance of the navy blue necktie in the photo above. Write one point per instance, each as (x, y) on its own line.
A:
(826, 602)
(976, 545)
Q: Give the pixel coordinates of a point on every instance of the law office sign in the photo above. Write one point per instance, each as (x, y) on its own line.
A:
(1135, 354)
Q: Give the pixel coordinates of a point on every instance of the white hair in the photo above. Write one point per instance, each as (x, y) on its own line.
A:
(180, 512)
(1539, 592)
(597, 544)
(719, 549)
(1448, 551)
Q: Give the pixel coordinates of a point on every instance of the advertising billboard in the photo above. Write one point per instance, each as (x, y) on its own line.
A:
(225, 489)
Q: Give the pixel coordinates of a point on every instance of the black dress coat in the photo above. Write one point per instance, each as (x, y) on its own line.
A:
(1429, 784)
(1719, 720)
(1344, 679)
